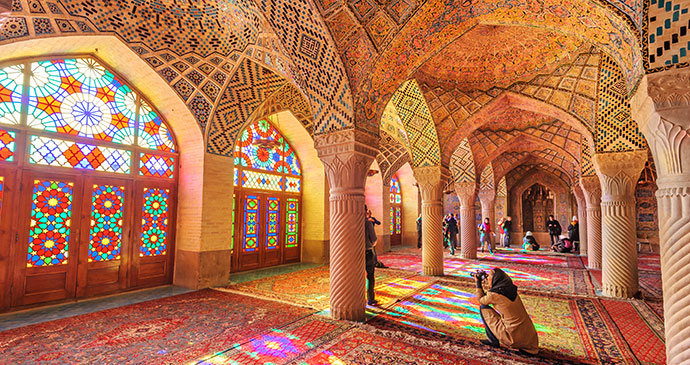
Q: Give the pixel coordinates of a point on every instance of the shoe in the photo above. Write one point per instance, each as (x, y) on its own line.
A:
(373, 304)
(489, 343)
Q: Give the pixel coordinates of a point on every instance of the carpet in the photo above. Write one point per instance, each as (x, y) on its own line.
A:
(170, 330)
(649, 261)
(570, 329)
(307, 288)
(530, 258)
(640, 329)
(649, 283)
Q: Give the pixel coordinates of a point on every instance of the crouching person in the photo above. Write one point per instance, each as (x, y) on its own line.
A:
(507, 322)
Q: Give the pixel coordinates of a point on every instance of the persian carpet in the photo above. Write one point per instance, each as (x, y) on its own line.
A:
(649, 261)
(649, 282)
(641, 328)
(170, 330)
(525, 258)
(306, 288)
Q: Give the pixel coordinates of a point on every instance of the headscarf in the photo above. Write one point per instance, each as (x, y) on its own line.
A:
(528, 234)
(502, 284)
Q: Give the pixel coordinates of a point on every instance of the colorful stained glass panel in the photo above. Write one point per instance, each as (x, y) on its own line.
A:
(291, 224)
(395, 195)
(291, 161)
(397, 220)
(7, 145)
(260, 146)
(392, 215)
(56, 152)
(260, 180)
(11, 82)
(106, 222)
(2, 189)
(235, 177)
(293, 184)
(156, 166)
(153, 132)
(154, 222)
(272, 222)
(251, 223)
(51, 221)
(80, 97)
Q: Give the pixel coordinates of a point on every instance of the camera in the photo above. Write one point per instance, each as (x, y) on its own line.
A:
(479, 274)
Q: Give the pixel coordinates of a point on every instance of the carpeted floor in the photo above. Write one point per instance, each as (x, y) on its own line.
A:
(171, 330)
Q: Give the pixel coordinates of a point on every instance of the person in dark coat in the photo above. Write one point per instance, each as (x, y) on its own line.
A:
(554, 229)
(529, 243)
(574, 231)
(507, 226)
(370, 257)
(452, 229)
(419, 231)
(564, 245)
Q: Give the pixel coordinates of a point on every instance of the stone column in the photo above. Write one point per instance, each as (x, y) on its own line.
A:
(488, 200)
(592, 192)
(667, 135)
(582, 218)
(619, 172)
(347, 156)
(467, 193)
(430, 180)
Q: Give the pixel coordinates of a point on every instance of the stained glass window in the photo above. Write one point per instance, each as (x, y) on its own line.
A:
(395, 209)
(272, 222)
(153, 133)
(7, 145)
(156, 166)
(51, 220)
(251, 223)
(392, 214)
(260, 146)
(56, 152)
(395, 196)
(106, 222)
(397, 220)
(260, 180)
(293, 184)
(80, 97)
(291, 224)
(11, 82)
(154, 222)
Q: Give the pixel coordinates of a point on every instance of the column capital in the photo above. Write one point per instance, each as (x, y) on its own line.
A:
(487, 196)
(346, 156)
(670, 89)
(430, 180)
(619, 172)
(591, 189)
(466, 192)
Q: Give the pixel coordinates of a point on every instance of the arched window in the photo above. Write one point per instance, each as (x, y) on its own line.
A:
(396, 211)
(88, 170)
(268, 186)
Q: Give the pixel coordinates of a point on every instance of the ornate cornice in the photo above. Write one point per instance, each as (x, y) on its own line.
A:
(670, 89)
(350, 140)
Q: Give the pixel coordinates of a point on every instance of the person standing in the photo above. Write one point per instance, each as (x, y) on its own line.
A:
(370, 263)
(574, 232)
(419, 231)
(452, 227)
(485, 235)
(554, 229)
(507, 226)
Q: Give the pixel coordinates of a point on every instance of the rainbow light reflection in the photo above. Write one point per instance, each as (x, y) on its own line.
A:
(515, 275)
(524, 259)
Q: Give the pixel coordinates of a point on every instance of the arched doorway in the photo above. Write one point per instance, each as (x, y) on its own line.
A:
(268, 197)
(89, 177)
(537, 205)
(395, 199)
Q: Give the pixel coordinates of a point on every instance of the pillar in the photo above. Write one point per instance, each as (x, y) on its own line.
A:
(467, 194)
(668, 123)
(618, 173)
(385, 217)
(347, 156)
(430, 181)
(582, 218)
(488, 200)
(592, 193)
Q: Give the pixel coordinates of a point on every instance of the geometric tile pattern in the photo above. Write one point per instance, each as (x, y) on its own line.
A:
(486, 181)
(415, 116)
(462, 163)
(616, 131)
(289, 97)
(246, 90)
(514, 176)
(509, 161)
(587, 163)
(391, 123)
(501, 189)
(667, 38)
(391, 157)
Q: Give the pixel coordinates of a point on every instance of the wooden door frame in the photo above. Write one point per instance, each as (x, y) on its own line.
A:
(8, 235)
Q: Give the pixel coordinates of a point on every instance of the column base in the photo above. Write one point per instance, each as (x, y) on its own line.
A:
(432, 271)
(618, 291)
(349, 314)
(464, 255)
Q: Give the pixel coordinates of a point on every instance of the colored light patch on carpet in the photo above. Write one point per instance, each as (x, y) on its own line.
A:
(360, 347)
(279, 346)
(526, 258)
(388, 293)
(413, 262)
(170, 330)
(639, 331)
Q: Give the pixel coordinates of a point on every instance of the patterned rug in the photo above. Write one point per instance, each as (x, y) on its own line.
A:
(310, 288)
(650, 284)
(649, 261)
(170, 330)
(642, 329)
(570, 329)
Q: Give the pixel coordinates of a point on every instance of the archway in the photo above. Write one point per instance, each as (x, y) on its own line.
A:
(537, 205)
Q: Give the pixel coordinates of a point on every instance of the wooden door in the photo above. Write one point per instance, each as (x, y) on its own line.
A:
(46, 251)
(152, 247)
(105, 240)
(292, 245)
(8, 187)
(271, 248)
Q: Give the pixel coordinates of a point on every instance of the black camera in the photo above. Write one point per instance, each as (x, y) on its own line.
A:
(479, 274)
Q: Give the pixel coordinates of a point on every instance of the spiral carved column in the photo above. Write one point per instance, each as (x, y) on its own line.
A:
(430, 180)
(347, 156)
(592, 192)
(619, 172)
(667, 134)
(582, 218)
(467, 193)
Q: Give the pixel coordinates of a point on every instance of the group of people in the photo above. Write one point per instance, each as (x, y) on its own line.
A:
(559, 242)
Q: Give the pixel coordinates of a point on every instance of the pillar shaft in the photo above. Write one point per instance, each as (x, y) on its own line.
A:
(619, 172)
(467, 194)
(488, 201)
(430, 181)
(592, 192)
(347, 156)
(582, 218)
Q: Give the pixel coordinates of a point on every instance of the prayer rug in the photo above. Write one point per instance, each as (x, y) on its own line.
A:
(649, 261)
(642, 330)
(306, 288)
(282, 345)
(170, 330)
(358, 346)
(569, 328)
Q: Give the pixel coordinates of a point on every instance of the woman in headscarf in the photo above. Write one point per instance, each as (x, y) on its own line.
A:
(529, 243)
(507, 322)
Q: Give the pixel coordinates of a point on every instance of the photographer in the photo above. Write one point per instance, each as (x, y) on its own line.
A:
(507, 322)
